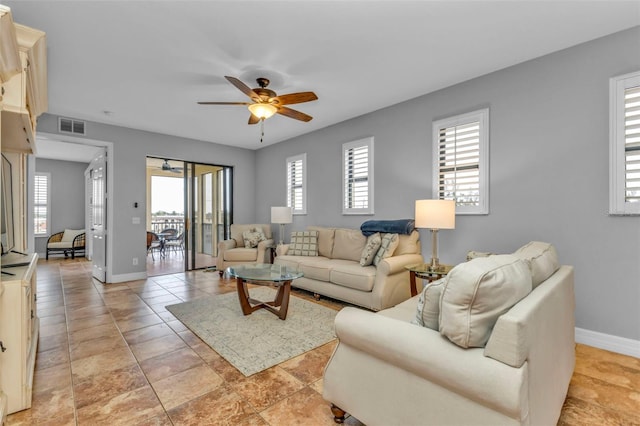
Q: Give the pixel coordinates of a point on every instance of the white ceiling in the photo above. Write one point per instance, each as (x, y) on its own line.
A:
(148, 63)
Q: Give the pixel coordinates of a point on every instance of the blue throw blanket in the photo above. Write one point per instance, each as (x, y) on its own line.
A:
(400, 226)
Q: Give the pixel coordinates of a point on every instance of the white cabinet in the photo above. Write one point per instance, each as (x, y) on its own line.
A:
(19, 327)
(24, 93)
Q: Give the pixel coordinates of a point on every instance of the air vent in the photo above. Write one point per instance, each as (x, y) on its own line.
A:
(68, 125)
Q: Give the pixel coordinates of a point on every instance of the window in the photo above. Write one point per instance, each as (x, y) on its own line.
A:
(357, 177)
(624, 144)
(461, 161)
(41, 204)
(297, 183)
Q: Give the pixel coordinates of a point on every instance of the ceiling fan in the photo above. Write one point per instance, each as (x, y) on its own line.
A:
(166, 167)
(266, 102)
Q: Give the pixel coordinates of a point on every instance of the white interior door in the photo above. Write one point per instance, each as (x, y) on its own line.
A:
(98, 206)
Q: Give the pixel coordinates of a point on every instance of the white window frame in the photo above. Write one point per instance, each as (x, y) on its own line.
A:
(481, 116)
(289, 162)
(617, 144)
(47, 205)
(369, 210)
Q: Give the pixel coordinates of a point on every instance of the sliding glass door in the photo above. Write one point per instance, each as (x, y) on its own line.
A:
(208, 207)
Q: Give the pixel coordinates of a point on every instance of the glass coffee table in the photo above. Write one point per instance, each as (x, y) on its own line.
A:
(264, 274)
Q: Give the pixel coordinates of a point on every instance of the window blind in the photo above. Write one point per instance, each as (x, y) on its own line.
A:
(356, 178)
(295, 185)
(632, 144)
(459, 163)
(41, 204)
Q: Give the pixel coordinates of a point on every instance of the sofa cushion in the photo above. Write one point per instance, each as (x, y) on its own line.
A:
(348, 244)
(303, 243)
(60, 245)
(241, 254)
(476, 293)
(325, 239)
(252, 237)
(389, 244)
(70, 234)
(541, 258)
(428, 309)
(370, 249)
(315, 268)
(352, 275)
(408, 244)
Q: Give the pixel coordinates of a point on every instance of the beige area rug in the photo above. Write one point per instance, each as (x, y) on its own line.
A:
(261, 340)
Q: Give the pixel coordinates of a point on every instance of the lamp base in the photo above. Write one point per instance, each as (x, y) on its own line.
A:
(281, 233)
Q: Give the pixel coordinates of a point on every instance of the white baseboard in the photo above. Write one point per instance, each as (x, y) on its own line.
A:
(120, 278)
(608, 342)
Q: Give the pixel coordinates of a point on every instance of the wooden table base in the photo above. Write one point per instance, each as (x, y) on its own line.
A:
(250, 305)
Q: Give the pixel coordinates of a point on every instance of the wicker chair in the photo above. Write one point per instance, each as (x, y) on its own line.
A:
(75, 244)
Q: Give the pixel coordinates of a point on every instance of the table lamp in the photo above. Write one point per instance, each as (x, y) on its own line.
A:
(281, 215)
(435, 215)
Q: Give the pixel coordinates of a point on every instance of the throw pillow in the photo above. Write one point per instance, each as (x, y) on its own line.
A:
(303, 243)
(429, 305)
(476, 293)
(252, 237)
(70, 234)
(387, 247)
(370, 249)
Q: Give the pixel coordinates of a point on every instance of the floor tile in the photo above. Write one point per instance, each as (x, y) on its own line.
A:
(151, 348)
(304, 407)
(102, 387)
(125, 409)
(222, 406)
(186, 385)
(168, 364)
(267, 387)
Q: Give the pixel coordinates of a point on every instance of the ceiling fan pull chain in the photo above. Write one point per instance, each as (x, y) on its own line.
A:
(261, 129)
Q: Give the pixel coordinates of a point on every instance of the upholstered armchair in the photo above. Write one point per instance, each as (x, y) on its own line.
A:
(234, 251)
(69, 241)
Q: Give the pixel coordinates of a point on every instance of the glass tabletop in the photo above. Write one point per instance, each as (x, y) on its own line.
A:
(425, 268)
(264, 272)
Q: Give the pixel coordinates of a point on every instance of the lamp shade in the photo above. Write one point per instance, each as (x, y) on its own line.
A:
(262, 110)
(281, 215)
(435, 214)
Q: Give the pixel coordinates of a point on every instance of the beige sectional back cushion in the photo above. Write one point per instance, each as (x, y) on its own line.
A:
(348, 244)
(428, 310)
(541, 258)
(325, 239)
(476, 293)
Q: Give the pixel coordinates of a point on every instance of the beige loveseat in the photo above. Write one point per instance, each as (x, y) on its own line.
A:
(234, 251)
(336, 272)
(387, 370)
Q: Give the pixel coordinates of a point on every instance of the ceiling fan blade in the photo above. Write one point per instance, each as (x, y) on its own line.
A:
(292, 113)
(224, 103)
(243, 88)
(294, 98)
(253, 119)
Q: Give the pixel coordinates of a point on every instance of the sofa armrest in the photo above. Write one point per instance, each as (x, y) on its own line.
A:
(425, 353)
(282, 249)
(394, 264)
(227, 244)
(263, 256)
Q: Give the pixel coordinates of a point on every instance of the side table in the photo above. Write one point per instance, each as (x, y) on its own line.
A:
(425, 272)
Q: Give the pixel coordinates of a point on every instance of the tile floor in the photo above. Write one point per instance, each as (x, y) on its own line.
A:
(113, 355)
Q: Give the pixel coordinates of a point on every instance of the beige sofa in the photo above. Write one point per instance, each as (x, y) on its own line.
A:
(336, 271)
(388, 371)
(234, 252)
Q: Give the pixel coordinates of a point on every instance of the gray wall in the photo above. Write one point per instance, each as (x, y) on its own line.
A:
(549, 165)
(67, 196)
(131, 147)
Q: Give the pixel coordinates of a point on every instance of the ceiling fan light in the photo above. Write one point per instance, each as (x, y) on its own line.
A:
(262, 110)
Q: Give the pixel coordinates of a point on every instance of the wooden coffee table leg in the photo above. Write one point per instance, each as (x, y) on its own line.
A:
(243, 296)
(282, 299)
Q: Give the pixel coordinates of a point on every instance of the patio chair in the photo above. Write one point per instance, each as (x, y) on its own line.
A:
(153, 243)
